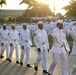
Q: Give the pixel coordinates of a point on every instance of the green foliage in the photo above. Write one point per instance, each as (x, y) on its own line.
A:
(2, 21)
(9, 19)
(59, 15)
(36, 9)
(30, 3)
(70, 9)
(2, 2)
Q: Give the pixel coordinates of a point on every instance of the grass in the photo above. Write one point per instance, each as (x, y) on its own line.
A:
(70, 41)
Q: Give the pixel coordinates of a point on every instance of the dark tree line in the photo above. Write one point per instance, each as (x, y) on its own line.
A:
(70, 9)
(36, 8)
(2, 2)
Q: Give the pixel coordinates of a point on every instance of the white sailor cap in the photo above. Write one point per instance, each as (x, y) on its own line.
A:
(59, 21)
(24, 24)
(4, 25)
(51, 23)
(40, 22)
(12, 24)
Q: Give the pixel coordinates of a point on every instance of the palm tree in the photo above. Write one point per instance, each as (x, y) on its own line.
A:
(30, 3)
(38, 7)
(70, 9)
(2, 2)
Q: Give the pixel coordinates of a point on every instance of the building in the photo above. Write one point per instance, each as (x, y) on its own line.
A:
(13, 13)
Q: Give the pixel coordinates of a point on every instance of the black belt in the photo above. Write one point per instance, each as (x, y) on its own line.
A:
(14, 39)
(43, 43)
(5, 39)
(61, 45)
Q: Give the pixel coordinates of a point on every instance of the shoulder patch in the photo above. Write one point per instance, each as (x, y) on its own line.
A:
(19, 33)
(70, 28)
(8, 33)
(34, 34)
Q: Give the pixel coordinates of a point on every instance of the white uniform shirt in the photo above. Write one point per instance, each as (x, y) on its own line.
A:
(4, 34)
(5, 37)
(58, 36)
(0, 34)
(40, 38)
(14, 35)
(72, 33)
(59, 39)
(65, 24)
(24, 36)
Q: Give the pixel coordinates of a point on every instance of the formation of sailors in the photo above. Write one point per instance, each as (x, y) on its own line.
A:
(58, 30)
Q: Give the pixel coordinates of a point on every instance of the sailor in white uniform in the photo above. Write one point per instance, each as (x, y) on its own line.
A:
(58, 49)
(42, 45)
(14, 36)
(0, 39)
(71, 30)
(4, 42)
(25, 44)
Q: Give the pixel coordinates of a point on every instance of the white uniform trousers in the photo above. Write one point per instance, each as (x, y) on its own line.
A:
(74, 66)
(27, 53)
(11, 52)
(3, 48)
(64, 63)
(41, 56)
(0, 47)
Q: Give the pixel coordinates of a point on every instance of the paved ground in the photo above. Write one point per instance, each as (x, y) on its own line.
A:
(7, 68)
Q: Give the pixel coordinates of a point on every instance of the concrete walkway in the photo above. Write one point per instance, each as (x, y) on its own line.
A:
(12, 68)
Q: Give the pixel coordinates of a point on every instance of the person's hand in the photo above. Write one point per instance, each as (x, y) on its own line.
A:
(2, 44)
(69, 53)
(70, 28)
(22, 47)
(19, 33)
(48, 50)
(26, 40)
(11, 44)
(31, 45)
(39, 50)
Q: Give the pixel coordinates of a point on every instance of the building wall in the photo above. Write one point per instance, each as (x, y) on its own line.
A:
(13, 13)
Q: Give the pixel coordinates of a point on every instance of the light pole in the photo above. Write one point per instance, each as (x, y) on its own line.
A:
(54, 7)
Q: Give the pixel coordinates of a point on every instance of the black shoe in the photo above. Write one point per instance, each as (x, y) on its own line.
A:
(9, 60)
(2, 57)
(21, 63)
(35, 68)
(44, 71)
(17, 62)
(49, 74)
(28, 65)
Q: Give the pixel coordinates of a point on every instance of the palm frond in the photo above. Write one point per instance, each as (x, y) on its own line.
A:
(2, 2)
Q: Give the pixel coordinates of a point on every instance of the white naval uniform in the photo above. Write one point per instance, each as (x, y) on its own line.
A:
(65, 24)
(24, 37)
(52, 25)
(72, 33)
(14, 36)
(40, 38)
(58, 50)
(0, 39)
(5, 41)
